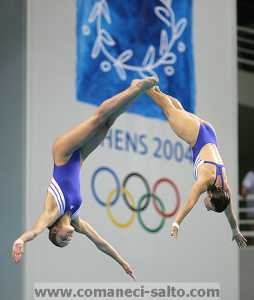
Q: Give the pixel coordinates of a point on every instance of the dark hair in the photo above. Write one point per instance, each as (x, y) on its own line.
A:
(220, 199)
(52, 236)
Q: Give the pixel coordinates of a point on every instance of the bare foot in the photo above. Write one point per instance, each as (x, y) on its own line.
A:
(145, 84)
(154, 90)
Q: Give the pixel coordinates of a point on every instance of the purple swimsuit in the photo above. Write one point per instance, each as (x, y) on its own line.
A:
(206, 135)
(65, 186)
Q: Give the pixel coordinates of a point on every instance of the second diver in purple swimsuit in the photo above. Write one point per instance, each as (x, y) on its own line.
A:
(209, 170)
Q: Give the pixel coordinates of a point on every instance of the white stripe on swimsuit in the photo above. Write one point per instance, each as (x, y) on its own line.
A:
(197, 164)
(57, 193)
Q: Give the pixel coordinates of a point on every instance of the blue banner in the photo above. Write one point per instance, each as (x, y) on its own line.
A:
(118, 41)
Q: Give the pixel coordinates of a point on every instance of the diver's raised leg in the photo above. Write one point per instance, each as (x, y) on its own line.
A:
(185, 125)
(101, 120)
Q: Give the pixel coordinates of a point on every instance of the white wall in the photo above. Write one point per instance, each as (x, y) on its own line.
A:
(204, 251)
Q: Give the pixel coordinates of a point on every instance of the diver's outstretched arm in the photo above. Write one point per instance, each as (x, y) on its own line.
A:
(237, 235)
(83, 227)
(47, 218)
(197, 189)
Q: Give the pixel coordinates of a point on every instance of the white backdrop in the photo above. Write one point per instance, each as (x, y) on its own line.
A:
(204, 251)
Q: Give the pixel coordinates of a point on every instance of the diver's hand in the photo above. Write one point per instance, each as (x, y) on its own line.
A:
(174, 230)
(239, 238)
(18, 250)
(128, 270)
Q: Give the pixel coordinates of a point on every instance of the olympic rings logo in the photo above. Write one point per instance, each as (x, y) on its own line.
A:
(142, 204)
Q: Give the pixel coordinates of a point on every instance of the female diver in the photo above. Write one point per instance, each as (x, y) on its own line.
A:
(209, 169)
(63, 199)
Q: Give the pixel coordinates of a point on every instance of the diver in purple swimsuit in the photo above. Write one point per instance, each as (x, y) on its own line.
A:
(63, 200)
(209, 170)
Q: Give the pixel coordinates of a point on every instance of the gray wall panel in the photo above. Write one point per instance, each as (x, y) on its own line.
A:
(12, 133)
